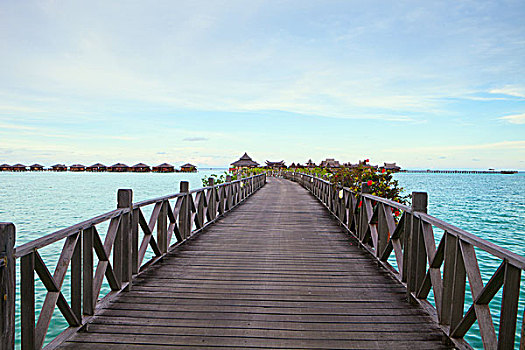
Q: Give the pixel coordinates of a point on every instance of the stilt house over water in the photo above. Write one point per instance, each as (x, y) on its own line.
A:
(19, 167)
(391, 167)
(77, 167)
(164, 168)
(140, 168)
(245, 162)
(118, 168)
(330, 163)
(188, 168)
(97, 167)
(36, 167)
(6, 167)
(59, 167)
(275, 165)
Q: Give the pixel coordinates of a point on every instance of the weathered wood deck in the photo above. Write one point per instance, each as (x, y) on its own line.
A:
(277, 272)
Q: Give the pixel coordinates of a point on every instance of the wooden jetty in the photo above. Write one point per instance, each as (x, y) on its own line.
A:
(261, 262)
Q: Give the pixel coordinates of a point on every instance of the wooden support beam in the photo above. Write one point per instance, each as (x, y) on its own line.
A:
(125, 200)
(27, 300)
(7, 286)
(88, 299)
(184, 214)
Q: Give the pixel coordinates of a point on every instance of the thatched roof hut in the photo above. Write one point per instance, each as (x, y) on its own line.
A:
(245, 162)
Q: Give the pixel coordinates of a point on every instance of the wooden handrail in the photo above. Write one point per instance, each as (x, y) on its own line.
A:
(188, 213)
(421, 265)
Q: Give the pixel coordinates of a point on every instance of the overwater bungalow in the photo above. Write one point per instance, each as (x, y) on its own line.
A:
(118, 168)
(6, 167)
(19, 167)
(391, 167)
(77, 167)
(97, 167)
(188, 168)
(275, 165)
(36, 167)
(330, 163)
(140, 168)
(164, 168)
(245, 162)
(59, 167)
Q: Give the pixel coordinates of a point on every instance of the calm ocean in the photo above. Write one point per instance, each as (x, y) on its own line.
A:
(491, 206)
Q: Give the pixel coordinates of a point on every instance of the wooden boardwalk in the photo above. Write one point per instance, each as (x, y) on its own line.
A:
(275, 273)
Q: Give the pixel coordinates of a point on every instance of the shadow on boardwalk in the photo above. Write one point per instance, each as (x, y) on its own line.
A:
(277, 272)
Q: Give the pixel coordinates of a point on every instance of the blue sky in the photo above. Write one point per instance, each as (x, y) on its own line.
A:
(427, 84)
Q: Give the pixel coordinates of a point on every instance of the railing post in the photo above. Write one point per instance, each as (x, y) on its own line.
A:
(162, 229)
(7, 286)
(125, 200)
(228, 193)
(212, 200)
(417, 256)
(184, 215)
(363, 219)
(88, 299)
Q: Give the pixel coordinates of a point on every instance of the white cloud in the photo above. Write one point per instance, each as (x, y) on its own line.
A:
(514, 118)
(514, 91)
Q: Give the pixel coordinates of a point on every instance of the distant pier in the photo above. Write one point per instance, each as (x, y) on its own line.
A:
(461, 171)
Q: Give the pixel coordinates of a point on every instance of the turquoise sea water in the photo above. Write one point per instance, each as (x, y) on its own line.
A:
(491, 206)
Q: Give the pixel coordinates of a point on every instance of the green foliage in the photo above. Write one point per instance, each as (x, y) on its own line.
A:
(217, 179)
(380, 181)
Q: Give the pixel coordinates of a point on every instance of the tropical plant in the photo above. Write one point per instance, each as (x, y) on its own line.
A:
(379, 181)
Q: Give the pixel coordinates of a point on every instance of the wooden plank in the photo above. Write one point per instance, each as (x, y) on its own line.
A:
(53, 285)
(7, 285)
(88, 299)
(448, 277)
(135, 241)
(162, 229)
(76, 279)
(27, 300)
(434, 272)
(457, 298)
(125, 200)
(509, 307)
(488, 333)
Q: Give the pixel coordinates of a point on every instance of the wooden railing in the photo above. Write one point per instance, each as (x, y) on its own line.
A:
(127, 240)
(449, 268)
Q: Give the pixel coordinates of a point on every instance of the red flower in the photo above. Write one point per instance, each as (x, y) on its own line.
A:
(383, 170)
(360, 204)
(369, 183)
(367, 160)
(397, 213)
